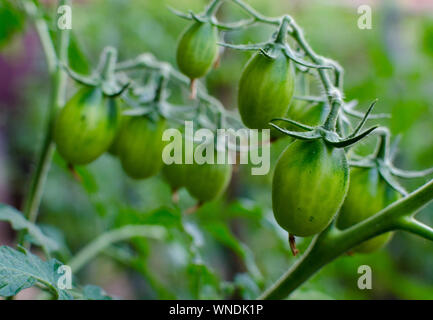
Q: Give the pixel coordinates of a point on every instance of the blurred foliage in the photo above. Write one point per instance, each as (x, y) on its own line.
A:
(231, 247)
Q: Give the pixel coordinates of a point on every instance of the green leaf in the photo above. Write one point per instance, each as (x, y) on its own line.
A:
(22, 270)
(91, 292)
(77, 60)
(246, 286)
(222, 234)
(12, 21)
(18, 222)
(204, 284)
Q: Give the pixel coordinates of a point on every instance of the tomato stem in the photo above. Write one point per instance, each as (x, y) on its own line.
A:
(59, 80)
(282, 31)
(212, 8)
(107, 63)
(332, 242)
(292, 242)
(382, 150)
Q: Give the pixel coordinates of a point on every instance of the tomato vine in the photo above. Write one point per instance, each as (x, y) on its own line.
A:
(331, 138)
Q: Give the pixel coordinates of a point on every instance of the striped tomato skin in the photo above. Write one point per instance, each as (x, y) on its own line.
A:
(140, 147)
(197, 50)
(207, 181)
(265, 90)
(86, 126)
(310, 183)
(368, 194)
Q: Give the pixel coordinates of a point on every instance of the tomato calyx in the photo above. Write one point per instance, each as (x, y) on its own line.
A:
(277, 43)
(330, 136)
(104, 76)
(382, 159)
(153, 103)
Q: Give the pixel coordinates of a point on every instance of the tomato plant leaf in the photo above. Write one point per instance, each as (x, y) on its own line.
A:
(22, 270)
(18, 222)
(222, 234)
(91, 292)
(12, 21)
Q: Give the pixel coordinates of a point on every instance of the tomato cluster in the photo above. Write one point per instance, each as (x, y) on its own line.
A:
(91, 123)
(311, 178)
(312, 182)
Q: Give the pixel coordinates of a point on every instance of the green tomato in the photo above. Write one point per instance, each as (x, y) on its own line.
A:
(140, 147)
(86, 126)
(368, 194)
(175, 174)
(197, 50)
(265, 90)
(309, 186)
(206, 182)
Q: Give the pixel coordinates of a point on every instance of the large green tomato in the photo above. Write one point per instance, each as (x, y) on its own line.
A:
(368, 194)
(86, 126)
(140, 147)
(310, 183)
(265, 90)
(197, 50)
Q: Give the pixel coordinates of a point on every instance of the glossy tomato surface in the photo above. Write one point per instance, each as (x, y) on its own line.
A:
(265, 90)
(197, 50)
(140, 147)
(309, 185)
(368, 194)
(86, 126)
(207, 181)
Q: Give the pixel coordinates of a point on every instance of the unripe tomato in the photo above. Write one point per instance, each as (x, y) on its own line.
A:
(265, 90)
(197, 50)
(86, 126)
(140, 147)
(175, 174)
(309, 186)
(206, 182)
(368, 194)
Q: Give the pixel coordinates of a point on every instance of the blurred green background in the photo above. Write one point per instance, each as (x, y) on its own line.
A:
(231, 248)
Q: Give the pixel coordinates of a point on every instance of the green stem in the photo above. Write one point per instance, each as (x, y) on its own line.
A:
(332, 242)
(282, 32)
(148, 61)
(110, 237)
(108, 63)
(382, 150)
(411, 225)
(213, 7)
(58, 79)
(331, 119)
(256, 15)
